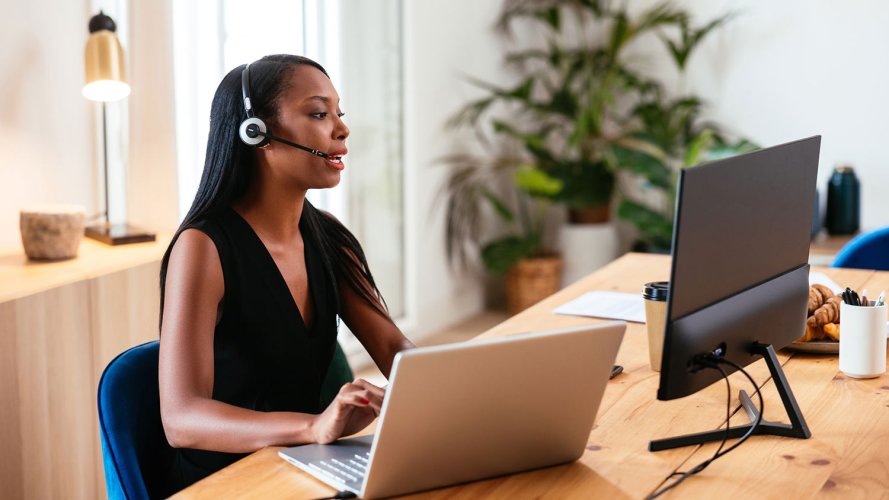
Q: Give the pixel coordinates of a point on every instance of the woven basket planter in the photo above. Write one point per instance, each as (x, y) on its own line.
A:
(532, 280)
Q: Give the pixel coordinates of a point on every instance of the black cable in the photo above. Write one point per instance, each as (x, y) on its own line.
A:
(761, 405)
(713, 362)
(340, 495)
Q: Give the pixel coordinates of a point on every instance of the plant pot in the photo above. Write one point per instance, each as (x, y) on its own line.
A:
(590, 215)
(587, 247)
(532, 280)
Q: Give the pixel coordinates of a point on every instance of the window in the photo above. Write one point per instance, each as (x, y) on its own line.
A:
(359, 43)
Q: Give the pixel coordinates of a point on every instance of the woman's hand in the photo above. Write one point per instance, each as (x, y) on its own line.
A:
(356, 405)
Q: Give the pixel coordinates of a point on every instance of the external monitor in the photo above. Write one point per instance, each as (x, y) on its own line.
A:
(739, 277)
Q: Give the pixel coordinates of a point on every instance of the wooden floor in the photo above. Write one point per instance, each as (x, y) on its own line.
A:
(459, 332)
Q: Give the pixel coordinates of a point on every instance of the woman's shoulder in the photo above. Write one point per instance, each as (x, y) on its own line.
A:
(206, 235)
(207, 222)
(195, 242)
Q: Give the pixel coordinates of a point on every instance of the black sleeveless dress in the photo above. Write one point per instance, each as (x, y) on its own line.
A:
(265, 358)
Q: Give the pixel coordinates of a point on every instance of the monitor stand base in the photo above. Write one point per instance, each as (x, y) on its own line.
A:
(797, 428)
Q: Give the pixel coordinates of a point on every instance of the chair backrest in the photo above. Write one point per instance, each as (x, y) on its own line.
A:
(866, 251)
(338, 373)
(133, 440)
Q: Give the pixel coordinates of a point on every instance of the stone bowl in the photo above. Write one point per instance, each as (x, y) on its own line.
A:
(51, 232)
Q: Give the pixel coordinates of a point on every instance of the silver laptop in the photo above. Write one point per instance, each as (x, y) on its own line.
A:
(473, 410)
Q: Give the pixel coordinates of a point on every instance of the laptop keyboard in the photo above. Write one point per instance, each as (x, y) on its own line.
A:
(347, 471)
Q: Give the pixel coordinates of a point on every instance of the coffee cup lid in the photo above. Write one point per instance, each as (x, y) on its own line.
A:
(656, 290)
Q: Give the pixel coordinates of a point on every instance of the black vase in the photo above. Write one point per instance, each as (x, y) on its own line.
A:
(843, 204)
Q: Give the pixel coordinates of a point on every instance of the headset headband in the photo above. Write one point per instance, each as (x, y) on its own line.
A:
(245, 90)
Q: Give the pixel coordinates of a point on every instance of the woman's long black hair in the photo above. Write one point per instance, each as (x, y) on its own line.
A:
(229, 165)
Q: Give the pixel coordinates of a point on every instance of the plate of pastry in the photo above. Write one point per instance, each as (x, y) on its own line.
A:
(822, 334)
(815, 347)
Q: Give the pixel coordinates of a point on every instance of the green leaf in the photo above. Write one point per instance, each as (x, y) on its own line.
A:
(655, 228)
(585, 183)
(640, 162)
(551, 17)
(689, 39)
(698, 145)
(502, 210)
(500, 255)
(563, 102)
(536, 182)
(661, 14)
(620, 33)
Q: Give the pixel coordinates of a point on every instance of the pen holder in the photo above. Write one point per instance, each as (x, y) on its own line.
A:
(862, 340)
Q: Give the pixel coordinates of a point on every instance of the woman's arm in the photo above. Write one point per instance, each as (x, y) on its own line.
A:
(191, 418)
(377, 332)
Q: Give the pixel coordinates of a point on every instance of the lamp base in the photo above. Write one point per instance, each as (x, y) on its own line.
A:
(118, 234)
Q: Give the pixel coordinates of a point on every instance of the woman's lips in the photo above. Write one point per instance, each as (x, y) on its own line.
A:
(335, 160)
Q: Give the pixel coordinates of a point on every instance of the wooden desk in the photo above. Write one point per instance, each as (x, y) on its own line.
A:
(846, 456)
(60, 325)
(825, 247)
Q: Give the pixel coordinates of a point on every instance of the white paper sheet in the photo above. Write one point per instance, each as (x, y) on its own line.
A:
(823, 279)
(608, 305)
(631, 306)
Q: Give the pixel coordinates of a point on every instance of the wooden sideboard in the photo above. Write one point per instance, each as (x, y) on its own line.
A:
(60, 325)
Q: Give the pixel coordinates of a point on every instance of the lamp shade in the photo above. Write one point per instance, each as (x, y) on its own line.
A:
(104, 62)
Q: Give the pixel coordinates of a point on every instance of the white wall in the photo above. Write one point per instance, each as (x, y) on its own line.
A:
(794, 68)
(445, 41)
(47, 152)
(152, 180)
(48, 131)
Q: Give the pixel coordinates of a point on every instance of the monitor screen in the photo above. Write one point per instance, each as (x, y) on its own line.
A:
(739, 273)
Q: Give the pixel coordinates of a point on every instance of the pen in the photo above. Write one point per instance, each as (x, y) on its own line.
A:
(880, 299)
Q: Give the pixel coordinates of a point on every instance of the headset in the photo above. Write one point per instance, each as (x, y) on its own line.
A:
(254, 131)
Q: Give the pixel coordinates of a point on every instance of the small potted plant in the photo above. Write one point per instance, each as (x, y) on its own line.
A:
(515, 248)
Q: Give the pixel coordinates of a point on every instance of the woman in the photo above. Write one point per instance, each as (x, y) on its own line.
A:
(253, 282)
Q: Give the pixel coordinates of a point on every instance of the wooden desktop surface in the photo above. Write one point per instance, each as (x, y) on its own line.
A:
(847, 455)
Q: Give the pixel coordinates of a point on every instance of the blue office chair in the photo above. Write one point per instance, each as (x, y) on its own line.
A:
(866, 251)
(133, 441)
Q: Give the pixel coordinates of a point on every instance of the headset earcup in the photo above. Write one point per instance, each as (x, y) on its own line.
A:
(259, 140)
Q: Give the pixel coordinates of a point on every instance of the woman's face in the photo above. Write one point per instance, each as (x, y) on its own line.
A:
(308, 114)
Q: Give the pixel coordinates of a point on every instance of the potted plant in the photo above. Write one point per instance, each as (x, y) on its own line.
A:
(565, 129)
(479, 186)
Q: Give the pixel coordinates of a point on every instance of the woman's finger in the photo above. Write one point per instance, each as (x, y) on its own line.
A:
(367, 390)
(364, 384)
(363, 400)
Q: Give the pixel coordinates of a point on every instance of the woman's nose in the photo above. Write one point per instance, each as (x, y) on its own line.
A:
(341, 131)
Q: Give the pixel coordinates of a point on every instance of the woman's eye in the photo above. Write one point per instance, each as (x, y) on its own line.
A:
(320, 116)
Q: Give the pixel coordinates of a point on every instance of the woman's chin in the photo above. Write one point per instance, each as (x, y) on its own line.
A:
(330, 181)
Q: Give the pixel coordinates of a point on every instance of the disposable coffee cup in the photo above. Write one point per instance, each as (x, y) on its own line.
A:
(655, 295)
(862, 340)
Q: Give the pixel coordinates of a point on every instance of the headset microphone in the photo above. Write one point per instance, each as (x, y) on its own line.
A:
(253, 130)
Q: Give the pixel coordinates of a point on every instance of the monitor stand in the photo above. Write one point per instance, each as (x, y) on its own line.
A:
(796, 429)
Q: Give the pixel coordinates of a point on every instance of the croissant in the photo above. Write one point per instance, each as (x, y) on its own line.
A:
(818, 295)
(832, 330)
(829, 312)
